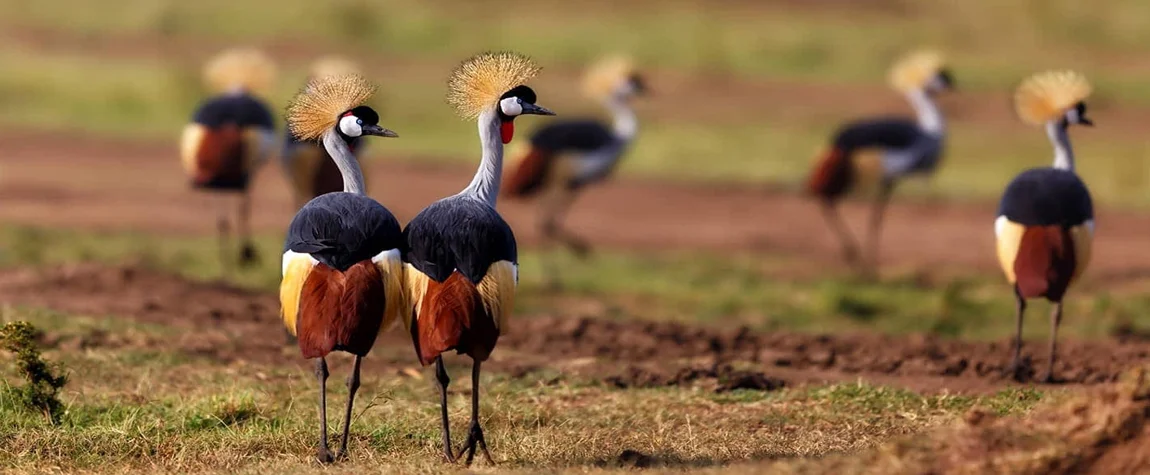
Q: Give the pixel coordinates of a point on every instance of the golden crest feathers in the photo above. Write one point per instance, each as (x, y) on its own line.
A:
(1046, 96)
(914, 70)
(317, 108)
(334, 66)
(247, 69)
(603, 77)
(477, 83)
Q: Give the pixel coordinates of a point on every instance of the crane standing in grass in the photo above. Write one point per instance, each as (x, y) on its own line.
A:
(565, 156)
(342, 267)
(461, 258)
(311, 172)
(900, 146)
(1045, 221)
(230, 136)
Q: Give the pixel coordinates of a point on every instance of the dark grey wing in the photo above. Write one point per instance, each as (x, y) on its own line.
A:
(572, 136)
(1046, 197)
(340, 229)
(891, 133)
(458, 233)
(241, 110)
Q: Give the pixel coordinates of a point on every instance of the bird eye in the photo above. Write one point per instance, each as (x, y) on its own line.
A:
(359, 121)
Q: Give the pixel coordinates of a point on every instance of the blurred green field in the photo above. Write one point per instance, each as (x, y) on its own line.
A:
(744, 91)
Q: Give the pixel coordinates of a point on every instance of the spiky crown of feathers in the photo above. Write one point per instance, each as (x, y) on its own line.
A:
(914, 70)
(478, 83)
(1046, 96)
(248, 69)
(317, 108)
(603, 77)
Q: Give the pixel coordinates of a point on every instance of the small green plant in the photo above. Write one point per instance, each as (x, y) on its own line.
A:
(39, 394)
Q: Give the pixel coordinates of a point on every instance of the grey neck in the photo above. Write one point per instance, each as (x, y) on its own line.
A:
(929, 117)
(626, 125)
(345, 160)
(485, 185)
(1063, 154)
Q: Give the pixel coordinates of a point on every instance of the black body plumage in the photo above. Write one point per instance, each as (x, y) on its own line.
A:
(340, 229)
(458, 233)
(241, 110)
(573, 136)
(1046, 197)
(889, 133)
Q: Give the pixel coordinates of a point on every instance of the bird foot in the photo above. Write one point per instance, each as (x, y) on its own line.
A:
(1049, 378)
(324, 456)
(248, 256)
(1017, 372)
(474, 440)
(580, 248)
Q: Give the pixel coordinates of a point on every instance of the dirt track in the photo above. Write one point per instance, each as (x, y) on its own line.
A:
(98, 183)
(224, 323)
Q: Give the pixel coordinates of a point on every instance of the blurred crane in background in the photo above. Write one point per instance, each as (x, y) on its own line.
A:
(310, 171)
(565, 156)
(230, 136)
(898, 147)
(462, 261)
(342, 269)
(1045, 221)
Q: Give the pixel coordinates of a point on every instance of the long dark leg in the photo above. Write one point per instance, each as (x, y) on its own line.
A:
(1055, 320)
(248, 254)
(223, 230)
(1015, 368)
(552, 210)
(475, 435)
(352, 387)
(442, 380)
(875, 227)
(835, 221)
(322, 453)
(577, 245)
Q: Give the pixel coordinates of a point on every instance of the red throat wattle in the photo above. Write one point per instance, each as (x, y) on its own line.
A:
(507, 130)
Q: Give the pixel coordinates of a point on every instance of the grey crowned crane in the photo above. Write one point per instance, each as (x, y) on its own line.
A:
(567, 155)
(901, 147)
(310, 171)
(1045, 221)
(342, 268)
(230, 136)
(461, 258)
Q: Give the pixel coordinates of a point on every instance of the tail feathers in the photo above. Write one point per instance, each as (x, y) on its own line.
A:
(218, 157)
(832, 176)
(341, 310)
(1045, 263)
(452, 316)
(530, 175)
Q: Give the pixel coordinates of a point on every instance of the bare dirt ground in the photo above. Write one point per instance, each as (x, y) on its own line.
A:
(109, 184)
(221, 322)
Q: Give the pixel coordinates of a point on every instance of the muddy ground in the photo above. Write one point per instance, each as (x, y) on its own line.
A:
(224, 323)
(101, 183)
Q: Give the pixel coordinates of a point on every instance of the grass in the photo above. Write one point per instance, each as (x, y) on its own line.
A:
(760, 291)
(149, 408)
(734, 49)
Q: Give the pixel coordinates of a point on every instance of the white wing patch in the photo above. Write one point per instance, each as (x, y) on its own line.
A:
(999, 225)
(291, 255)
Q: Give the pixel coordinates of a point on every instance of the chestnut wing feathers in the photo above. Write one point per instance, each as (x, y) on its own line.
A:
(458, 233)
(341, 229)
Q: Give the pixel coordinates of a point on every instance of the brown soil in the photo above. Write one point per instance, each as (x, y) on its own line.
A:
(217, 321)
(100, 183)
(1104, 431)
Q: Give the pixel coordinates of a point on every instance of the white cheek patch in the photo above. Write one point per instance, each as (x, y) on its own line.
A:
(350, 126)
(511, 106)
(1072, 116)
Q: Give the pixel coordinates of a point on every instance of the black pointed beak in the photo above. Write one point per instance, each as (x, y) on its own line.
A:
(1086, 122)
(378, 131)
(529, 108)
